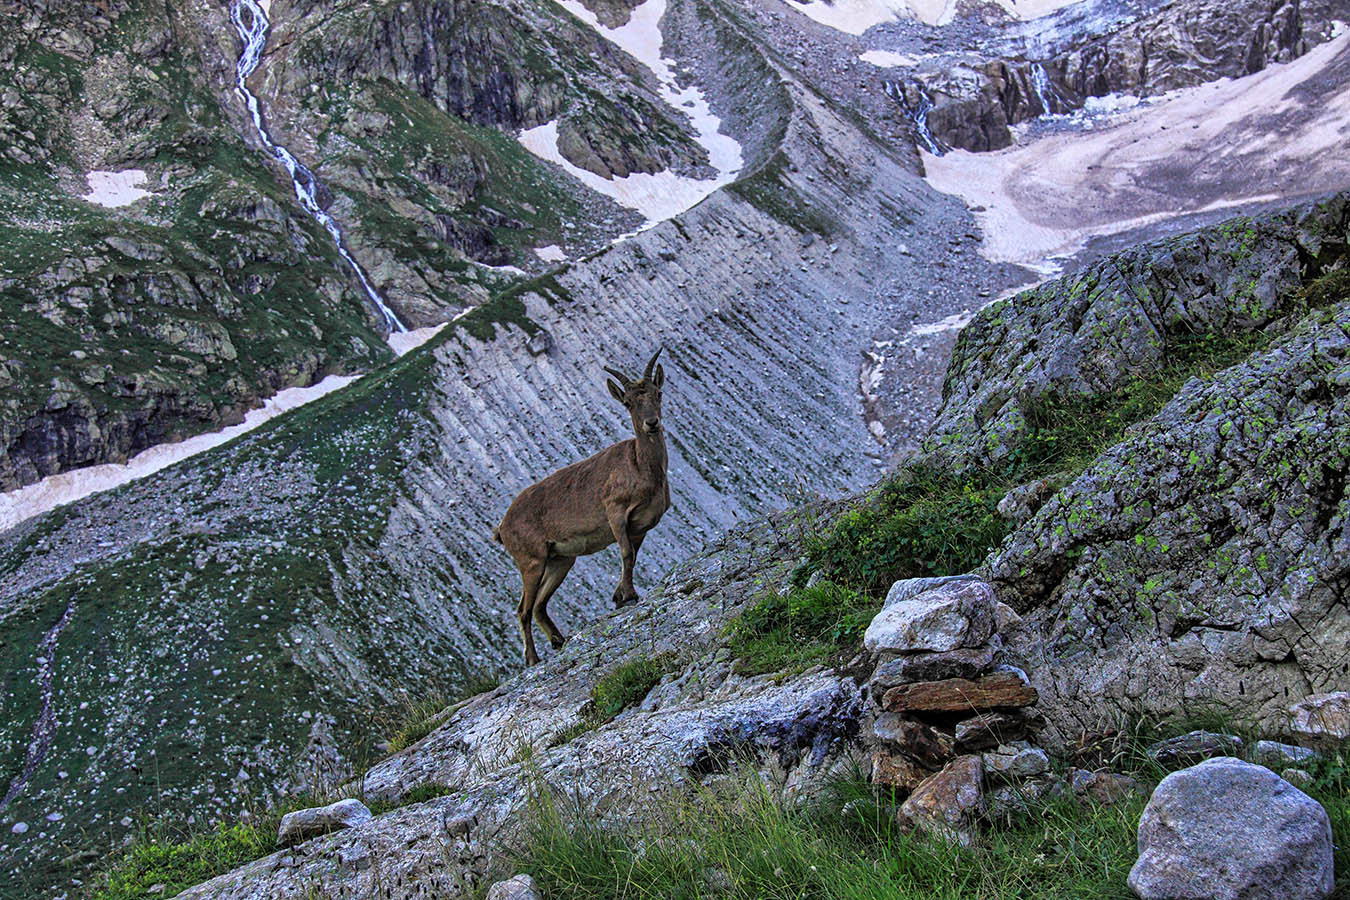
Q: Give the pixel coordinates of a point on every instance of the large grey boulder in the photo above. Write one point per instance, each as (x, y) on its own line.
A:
(1230, 830)
(303, 824)
(951, 615)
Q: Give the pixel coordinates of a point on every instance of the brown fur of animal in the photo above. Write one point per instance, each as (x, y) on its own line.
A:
(615, 496)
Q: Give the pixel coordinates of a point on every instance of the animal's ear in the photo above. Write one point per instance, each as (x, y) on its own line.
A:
(659, 376)
(616, 391)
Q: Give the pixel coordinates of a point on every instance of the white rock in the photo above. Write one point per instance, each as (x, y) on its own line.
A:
(521, 887)
(1322, 719)
(304, 824)
(945, 616)
(19, 828)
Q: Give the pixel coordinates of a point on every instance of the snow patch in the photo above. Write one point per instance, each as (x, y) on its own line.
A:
(888, 59)
(664, 194)
(403, 341)
(67, 487)
(551, 253)
(1044, 199)
(853, 16)
(954, 322)
(114, 189)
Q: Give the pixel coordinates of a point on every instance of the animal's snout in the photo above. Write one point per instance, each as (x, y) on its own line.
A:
(652, 424)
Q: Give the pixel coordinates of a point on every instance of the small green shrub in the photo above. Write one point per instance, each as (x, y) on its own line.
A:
(807, 626)
(183, 861)
(628, 684)
(912, 526)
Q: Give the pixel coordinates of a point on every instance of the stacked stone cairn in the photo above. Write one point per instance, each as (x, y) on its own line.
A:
(950, 725)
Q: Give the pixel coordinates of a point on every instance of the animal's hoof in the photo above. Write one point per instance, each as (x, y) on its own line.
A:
(623, 600)
(558, 644)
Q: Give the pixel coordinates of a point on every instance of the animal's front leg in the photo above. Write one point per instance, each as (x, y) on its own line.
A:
(625, 593)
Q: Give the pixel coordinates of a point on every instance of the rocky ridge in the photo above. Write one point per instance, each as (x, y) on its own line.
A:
(129, 326)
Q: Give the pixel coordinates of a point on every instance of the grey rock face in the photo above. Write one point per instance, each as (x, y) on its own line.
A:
(303, 824)
(1189, 749)
(945, 617)
(975, 101)
(1322, 719)
(1230, 830)
(1187, 548)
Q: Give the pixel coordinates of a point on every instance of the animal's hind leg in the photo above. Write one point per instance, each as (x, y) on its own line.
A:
(555, 570)
(531, 574)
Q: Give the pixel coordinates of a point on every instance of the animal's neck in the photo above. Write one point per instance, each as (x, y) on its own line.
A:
(651, 451)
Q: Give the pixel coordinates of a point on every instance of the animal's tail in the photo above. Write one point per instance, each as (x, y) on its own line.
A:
(497, 535)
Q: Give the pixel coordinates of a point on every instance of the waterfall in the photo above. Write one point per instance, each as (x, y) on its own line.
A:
(1045, 90)
(253, 33)
(918, 114)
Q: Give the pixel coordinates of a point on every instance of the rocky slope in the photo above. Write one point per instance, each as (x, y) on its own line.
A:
(1125, 562)
(225, 631)
(124, 327)
(345, 550)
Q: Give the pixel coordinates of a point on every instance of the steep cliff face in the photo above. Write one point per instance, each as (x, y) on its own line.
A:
(1095, 50)
(412, 128)
(160, 277)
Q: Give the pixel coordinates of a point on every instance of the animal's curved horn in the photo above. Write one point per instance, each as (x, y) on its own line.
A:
(647, 372)
(622, 378)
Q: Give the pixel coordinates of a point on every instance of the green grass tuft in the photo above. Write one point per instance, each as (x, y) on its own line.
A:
(628, 684)
(807, 626)
(741, 843)
(738, 841)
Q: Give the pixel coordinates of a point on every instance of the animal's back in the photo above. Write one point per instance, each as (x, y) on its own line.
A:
(574, 506)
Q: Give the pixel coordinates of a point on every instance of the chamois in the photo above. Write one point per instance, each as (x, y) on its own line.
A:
(617, 495)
